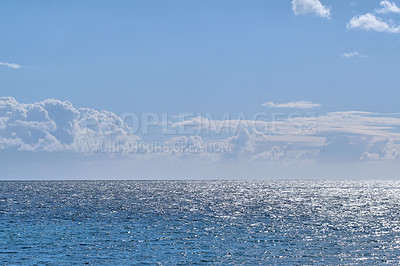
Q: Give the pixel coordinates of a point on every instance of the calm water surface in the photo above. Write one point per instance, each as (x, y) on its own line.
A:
(215, 222)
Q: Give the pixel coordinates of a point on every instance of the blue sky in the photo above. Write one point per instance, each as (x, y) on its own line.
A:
(206, 57)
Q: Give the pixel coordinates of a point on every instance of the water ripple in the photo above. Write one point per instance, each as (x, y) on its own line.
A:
(191, 222)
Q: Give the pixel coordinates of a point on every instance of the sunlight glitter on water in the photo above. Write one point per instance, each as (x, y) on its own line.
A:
(172, 222)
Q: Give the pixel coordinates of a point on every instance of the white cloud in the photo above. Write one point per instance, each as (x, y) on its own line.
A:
(352, 55)
(10, 65)
(294, 105)
(333, 137)
(315, 7)
(388, 7)
(370, 22)
(54, 125)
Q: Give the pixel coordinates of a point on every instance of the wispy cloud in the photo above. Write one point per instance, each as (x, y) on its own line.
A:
(314, 7)
(351, 55)
(370, 22)
(10, 65)
(388, 7)
(294, 105)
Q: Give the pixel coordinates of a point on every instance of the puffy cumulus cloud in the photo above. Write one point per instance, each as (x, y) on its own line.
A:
(54, 125)
(355, 136)
(344, 148)
(353, 148)
(388, 7)
(370, 22)
(274, 154)
(314, 7)
(294, 105)
(381, 149)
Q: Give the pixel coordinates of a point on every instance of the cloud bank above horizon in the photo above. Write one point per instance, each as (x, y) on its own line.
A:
(56, 126)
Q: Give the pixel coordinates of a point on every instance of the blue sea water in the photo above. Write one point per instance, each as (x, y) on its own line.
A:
(195, 222)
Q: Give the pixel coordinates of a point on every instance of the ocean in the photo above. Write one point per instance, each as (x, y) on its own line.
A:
(199, 222)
